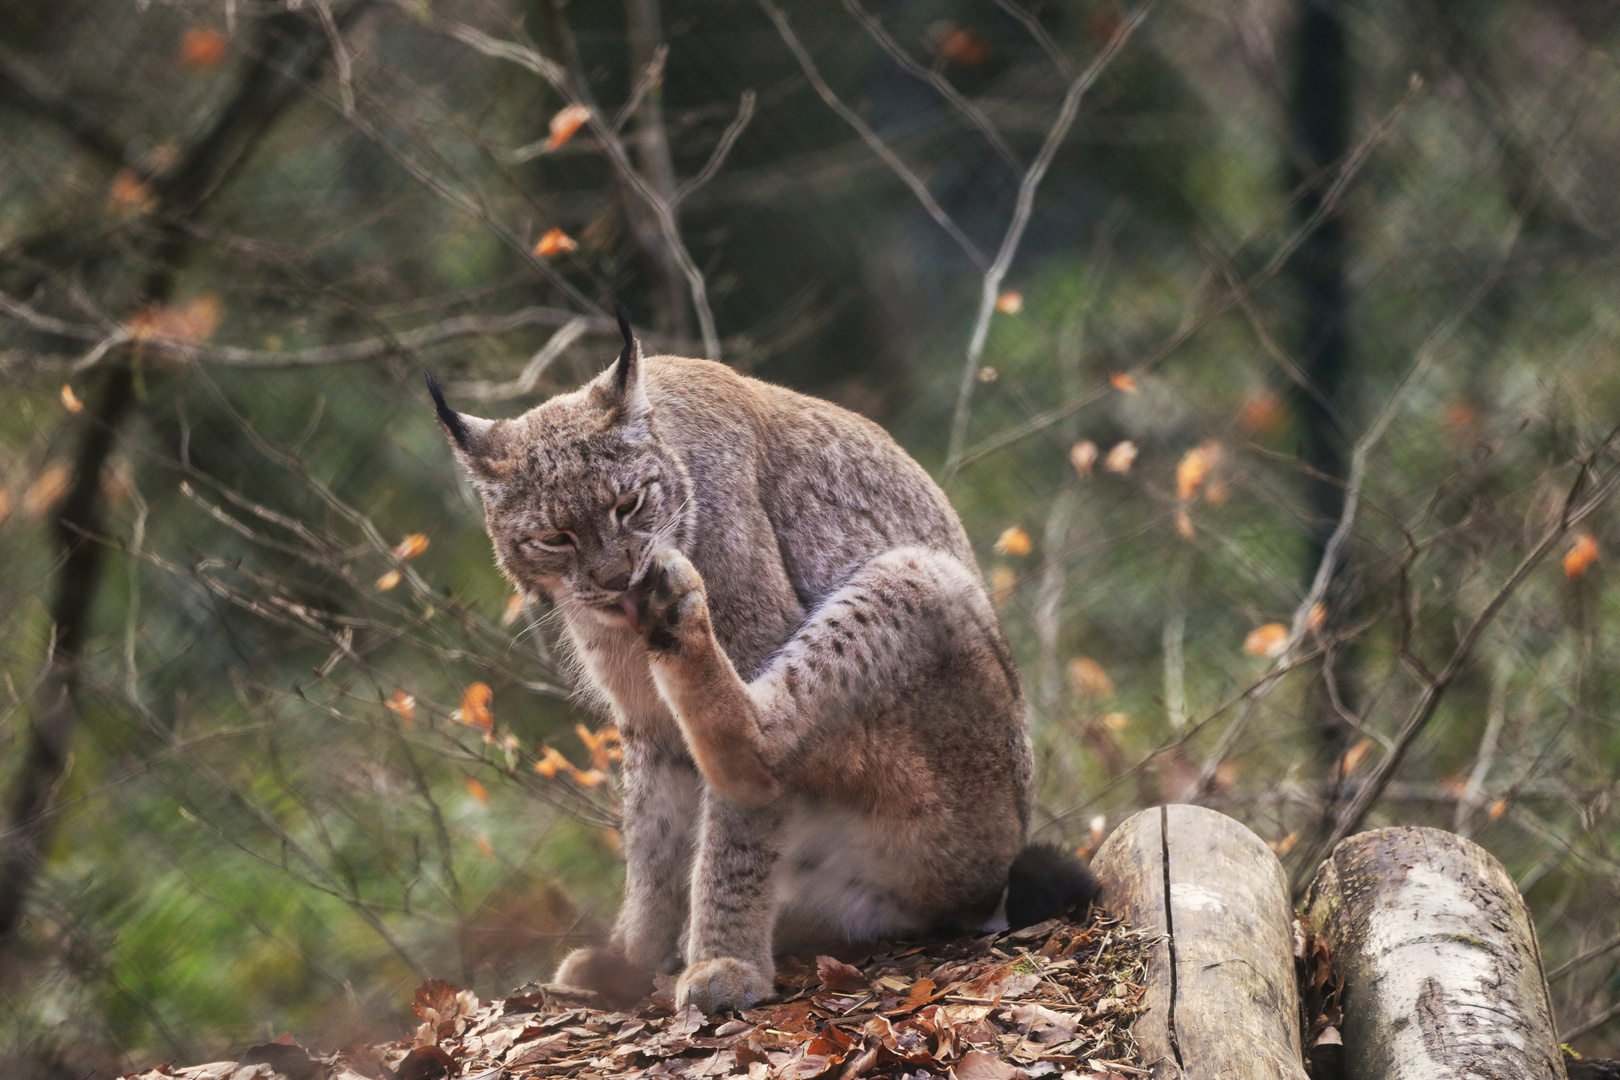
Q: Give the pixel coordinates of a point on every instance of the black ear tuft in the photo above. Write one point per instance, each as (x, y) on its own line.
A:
(627, 358)
(447, 416)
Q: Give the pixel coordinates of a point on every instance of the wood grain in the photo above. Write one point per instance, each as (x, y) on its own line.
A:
(1222, 997)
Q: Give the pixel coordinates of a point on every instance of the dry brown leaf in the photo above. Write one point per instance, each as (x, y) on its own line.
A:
(412, 546)
(837, 975)
(1498, 808)
(202, 47)
(979, 1065)
(1194, 466)
(1354, 756)
(404, 705)
(128, 193)
(1010, 302)
(958, 45)
(477, 791)
(988, 374)
(1121, 457)
(389, 580)
(70, 400)
(1123, 381)
(1262, 413)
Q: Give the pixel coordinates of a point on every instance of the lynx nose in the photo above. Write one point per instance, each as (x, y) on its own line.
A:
(617, 583)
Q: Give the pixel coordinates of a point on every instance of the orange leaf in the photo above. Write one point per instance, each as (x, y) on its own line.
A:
(1267, 640)
(476, 790)
(1354, 756)
(1498, 808)
(485, 848)
(1121, 457)
(1123, 381)
(837, 975)
(601, 744)
(514, 609)
(196, 320)
(412, 546)
(129, 193)
(1261, 413)
(1087, 677)
(568, 119)
(555, 242)
(70, 400)
(550, 761)
(1083, 455)
(1194, 467)
(201, 47)
(959, 46)
(404, 705)
(1285, 845)
(388, 580)
(1010, 302)
(1581, 555)
(1317, 617)
(47, 490)
(475, 706)
(587, 777)
(1117, 721)
(1014, 541)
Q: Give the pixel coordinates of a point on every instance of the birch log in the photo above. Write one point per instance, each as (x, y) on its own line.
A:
(1222, 999)
(1441, 966)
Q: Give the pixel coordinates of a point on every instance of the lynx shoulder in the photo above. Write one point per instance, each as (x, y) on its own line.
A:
(823, 731)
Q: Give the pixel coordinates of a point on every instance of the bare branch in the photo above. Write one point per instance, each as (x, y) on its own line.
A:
(728, 139)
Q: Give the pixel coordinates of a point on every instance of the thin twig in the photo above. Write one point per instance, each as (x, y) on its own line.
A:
(728, 139)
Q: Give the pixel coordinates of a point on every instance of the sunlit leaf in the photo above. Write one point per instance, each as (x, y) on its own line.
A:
(1083, 455)
(566, 121)
(587, 777)
(603, 745)
(1262, 413)
(202, 47)
(1116, 721)
(1087, 678)
(404, 705)
(1184, 525)
(485, 848)
(1121, 457)
(412, 546)
(475, 706)
(1194, 466)
(476, 790)
(1123, 381)
(1354, 756)
(1010, 302)
(129, 193)
(1014, 541)
(389, 580)
(550, 762)
(958, 45)
(1582, 554)
(1317, 617)
(195, 320)
(555, 242)
(514, 609)
(1268, 640)
(1285, 845)
(1498, 808)
(70, 400)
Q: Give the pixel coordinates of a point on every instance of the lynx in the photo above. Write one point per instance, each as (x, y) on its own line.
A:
(822, 729)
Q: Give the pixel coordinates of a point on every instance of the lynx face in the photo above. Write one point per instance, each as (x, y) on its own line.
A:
(579, 492)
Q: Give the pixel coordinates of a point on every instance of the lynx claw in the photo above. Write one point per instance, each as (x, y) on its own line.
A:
(724, 984)
(671, 602)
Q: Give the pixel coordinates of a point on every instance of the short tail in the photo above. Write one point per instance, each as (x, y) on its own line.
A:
(1046, 881)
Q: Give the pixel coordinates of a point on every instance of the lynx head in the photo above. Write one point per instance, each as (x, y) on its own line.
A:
(579, 492)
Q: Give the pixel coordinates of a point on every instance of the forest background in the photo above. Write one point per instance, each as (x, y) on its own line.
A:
(1268, 349)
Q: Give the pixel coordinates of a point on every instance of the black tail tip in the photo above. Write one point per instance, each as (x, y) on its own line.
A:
(1046, 881)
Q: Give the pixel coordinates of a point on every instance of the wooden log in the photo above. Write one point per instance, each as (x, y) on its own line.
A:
(1222, 996)
(1441, 966)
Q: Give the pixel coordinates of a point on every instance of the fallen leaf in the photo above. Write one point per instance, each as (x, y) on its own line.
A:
(1014, 541)
(475, 706)
(1268, 640)
(1582, 554)
(70, 400)
(1087, 677)
(404, 705)
(1121, 457)
(1123, 381)
(979, 1065)
(412, 546)
(566, 121)
(1083, 455)
(1010, 302)
(202, 47)
(837, 975)
(555, 242)
(477, 791)
(388, 580)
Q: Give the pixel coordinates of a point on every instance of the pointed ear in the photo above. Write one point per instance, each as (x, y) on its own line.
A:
(469, 435)
(624, 389)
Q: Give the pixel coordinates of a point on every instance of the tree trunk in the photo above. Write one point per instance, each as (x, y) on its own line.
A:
(1441, 966)
(1222, 996)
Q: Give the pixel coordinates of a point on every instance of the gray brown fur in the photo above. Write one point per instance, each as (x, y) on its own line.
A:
(823, 732)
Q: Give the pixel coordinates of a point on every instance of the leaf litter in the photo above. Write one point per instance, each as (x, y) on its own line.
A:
(1052, 1000)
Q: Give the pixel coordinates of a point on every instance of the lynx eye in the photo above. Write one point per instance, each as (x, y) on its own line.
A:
(551, 541)
(629, 505)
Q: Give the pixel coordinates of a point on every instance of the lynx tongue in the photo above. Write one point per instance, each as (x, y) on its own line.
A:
(628, 603)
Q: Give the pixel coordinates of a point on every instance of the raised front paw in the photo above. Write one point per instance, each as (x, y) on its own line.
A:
(722, 985)
(606, 971)
(671, 596)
